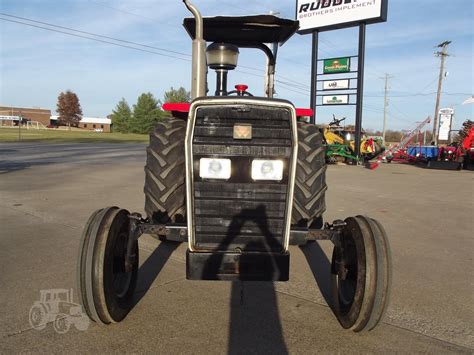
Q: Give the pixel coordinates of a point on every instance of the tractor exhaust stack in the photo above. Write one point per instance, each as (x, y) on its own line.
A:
(199, 69)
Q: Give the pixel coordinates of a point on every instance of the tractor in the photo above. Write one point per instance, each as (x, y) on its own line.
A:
(468, 146)
(239, 180)
(57, 306)
(340, 143)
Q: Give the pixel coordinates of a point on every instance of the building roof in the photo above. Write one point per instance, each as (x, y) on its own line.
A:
(99, 120)
(24, 108)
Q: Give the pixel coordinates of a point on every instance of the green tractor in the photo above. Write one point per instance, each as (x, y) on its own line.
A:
(340, 143)
(239, 180)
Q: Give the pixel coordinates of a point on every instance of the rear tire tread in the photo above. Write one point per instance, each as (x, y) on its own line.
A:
(310, 185)
(165, 172)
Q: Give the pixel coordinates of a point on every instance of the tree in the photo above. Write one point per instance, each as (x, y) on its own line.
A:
(179, 95)
(69, 109)
(393, 136)
(146, 113)
(122, 117)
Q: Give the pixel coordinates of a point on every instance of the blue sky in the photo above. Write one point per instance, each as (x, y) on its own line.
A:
(36, 64)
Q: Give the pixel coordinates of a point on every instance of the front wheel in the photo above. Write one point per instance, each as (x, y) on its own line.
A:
(61, 324)
(106, 286)
(361, 274)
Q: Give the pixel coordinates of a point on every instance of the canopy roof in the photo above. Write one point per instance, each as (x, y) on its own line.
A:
(244, 29)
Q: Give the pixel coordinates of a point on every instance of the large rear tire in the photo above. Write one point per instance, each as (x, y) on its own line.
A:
(310, 187)
(165, 173)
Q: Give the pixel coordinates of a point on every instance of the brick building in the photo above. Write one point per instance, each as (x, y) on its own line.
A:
(9, 115)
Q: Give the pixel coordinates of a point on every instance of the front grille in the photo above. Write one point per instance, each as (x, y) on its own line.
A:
(241, 213)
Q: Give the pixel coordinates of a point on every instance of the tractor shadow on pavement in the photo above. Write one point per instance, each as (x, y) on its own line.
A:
(255, 326)
(321, 269)
(151, 267)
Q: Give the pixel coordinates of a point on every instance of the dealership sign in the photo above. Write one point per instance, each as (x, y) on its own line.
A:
(335, 99)
(322, 15)
(336, 65)
(336, 84)
(445, 120)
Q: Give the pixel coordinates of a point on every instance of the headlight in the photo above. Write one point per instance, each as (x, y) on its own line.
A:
(267, 169)
(210, 168)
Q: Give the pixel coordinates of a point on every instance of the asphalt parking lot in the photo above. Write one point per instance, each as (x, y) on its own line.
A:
(47, 192)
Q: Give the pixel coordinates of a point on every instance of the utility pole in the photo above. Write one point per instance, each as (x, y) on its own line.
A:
(442, 54)
(385, 105)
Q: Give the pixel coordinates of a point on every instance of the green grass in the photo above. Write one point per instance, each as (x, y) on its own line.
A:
(65, 136)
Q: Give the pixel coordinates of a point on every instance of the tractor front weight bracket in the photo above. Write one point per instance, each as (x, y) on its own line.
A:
(179, 233)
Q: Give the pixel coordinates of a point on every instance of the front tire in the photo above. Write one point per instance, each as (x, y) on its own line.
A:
(361, 274)
(62, 324)
(105, 286)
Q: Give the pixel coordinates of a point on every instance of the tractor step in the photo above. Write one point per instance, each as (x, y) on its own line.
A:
(245, 266)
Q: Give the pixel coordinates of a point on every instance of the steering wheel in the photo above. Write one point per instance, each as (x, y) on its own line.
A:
(241, 90)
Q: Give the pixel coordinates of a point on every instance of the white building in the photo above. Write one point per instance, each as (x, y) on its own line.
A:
(92, 123)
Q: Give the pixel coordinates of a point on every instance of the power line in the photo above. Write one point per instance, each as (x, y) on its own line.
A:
(243, 9)
(402, 113)
(293, 89)
(95, 39)
(284, 86)
(293, 82)
(327, 42)
(374, 109)
(294, 85)
(95, 34)
(427, 86)
(398, 118)
(424, 94)
(116, 39)
(138, 49)
(128, 12)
